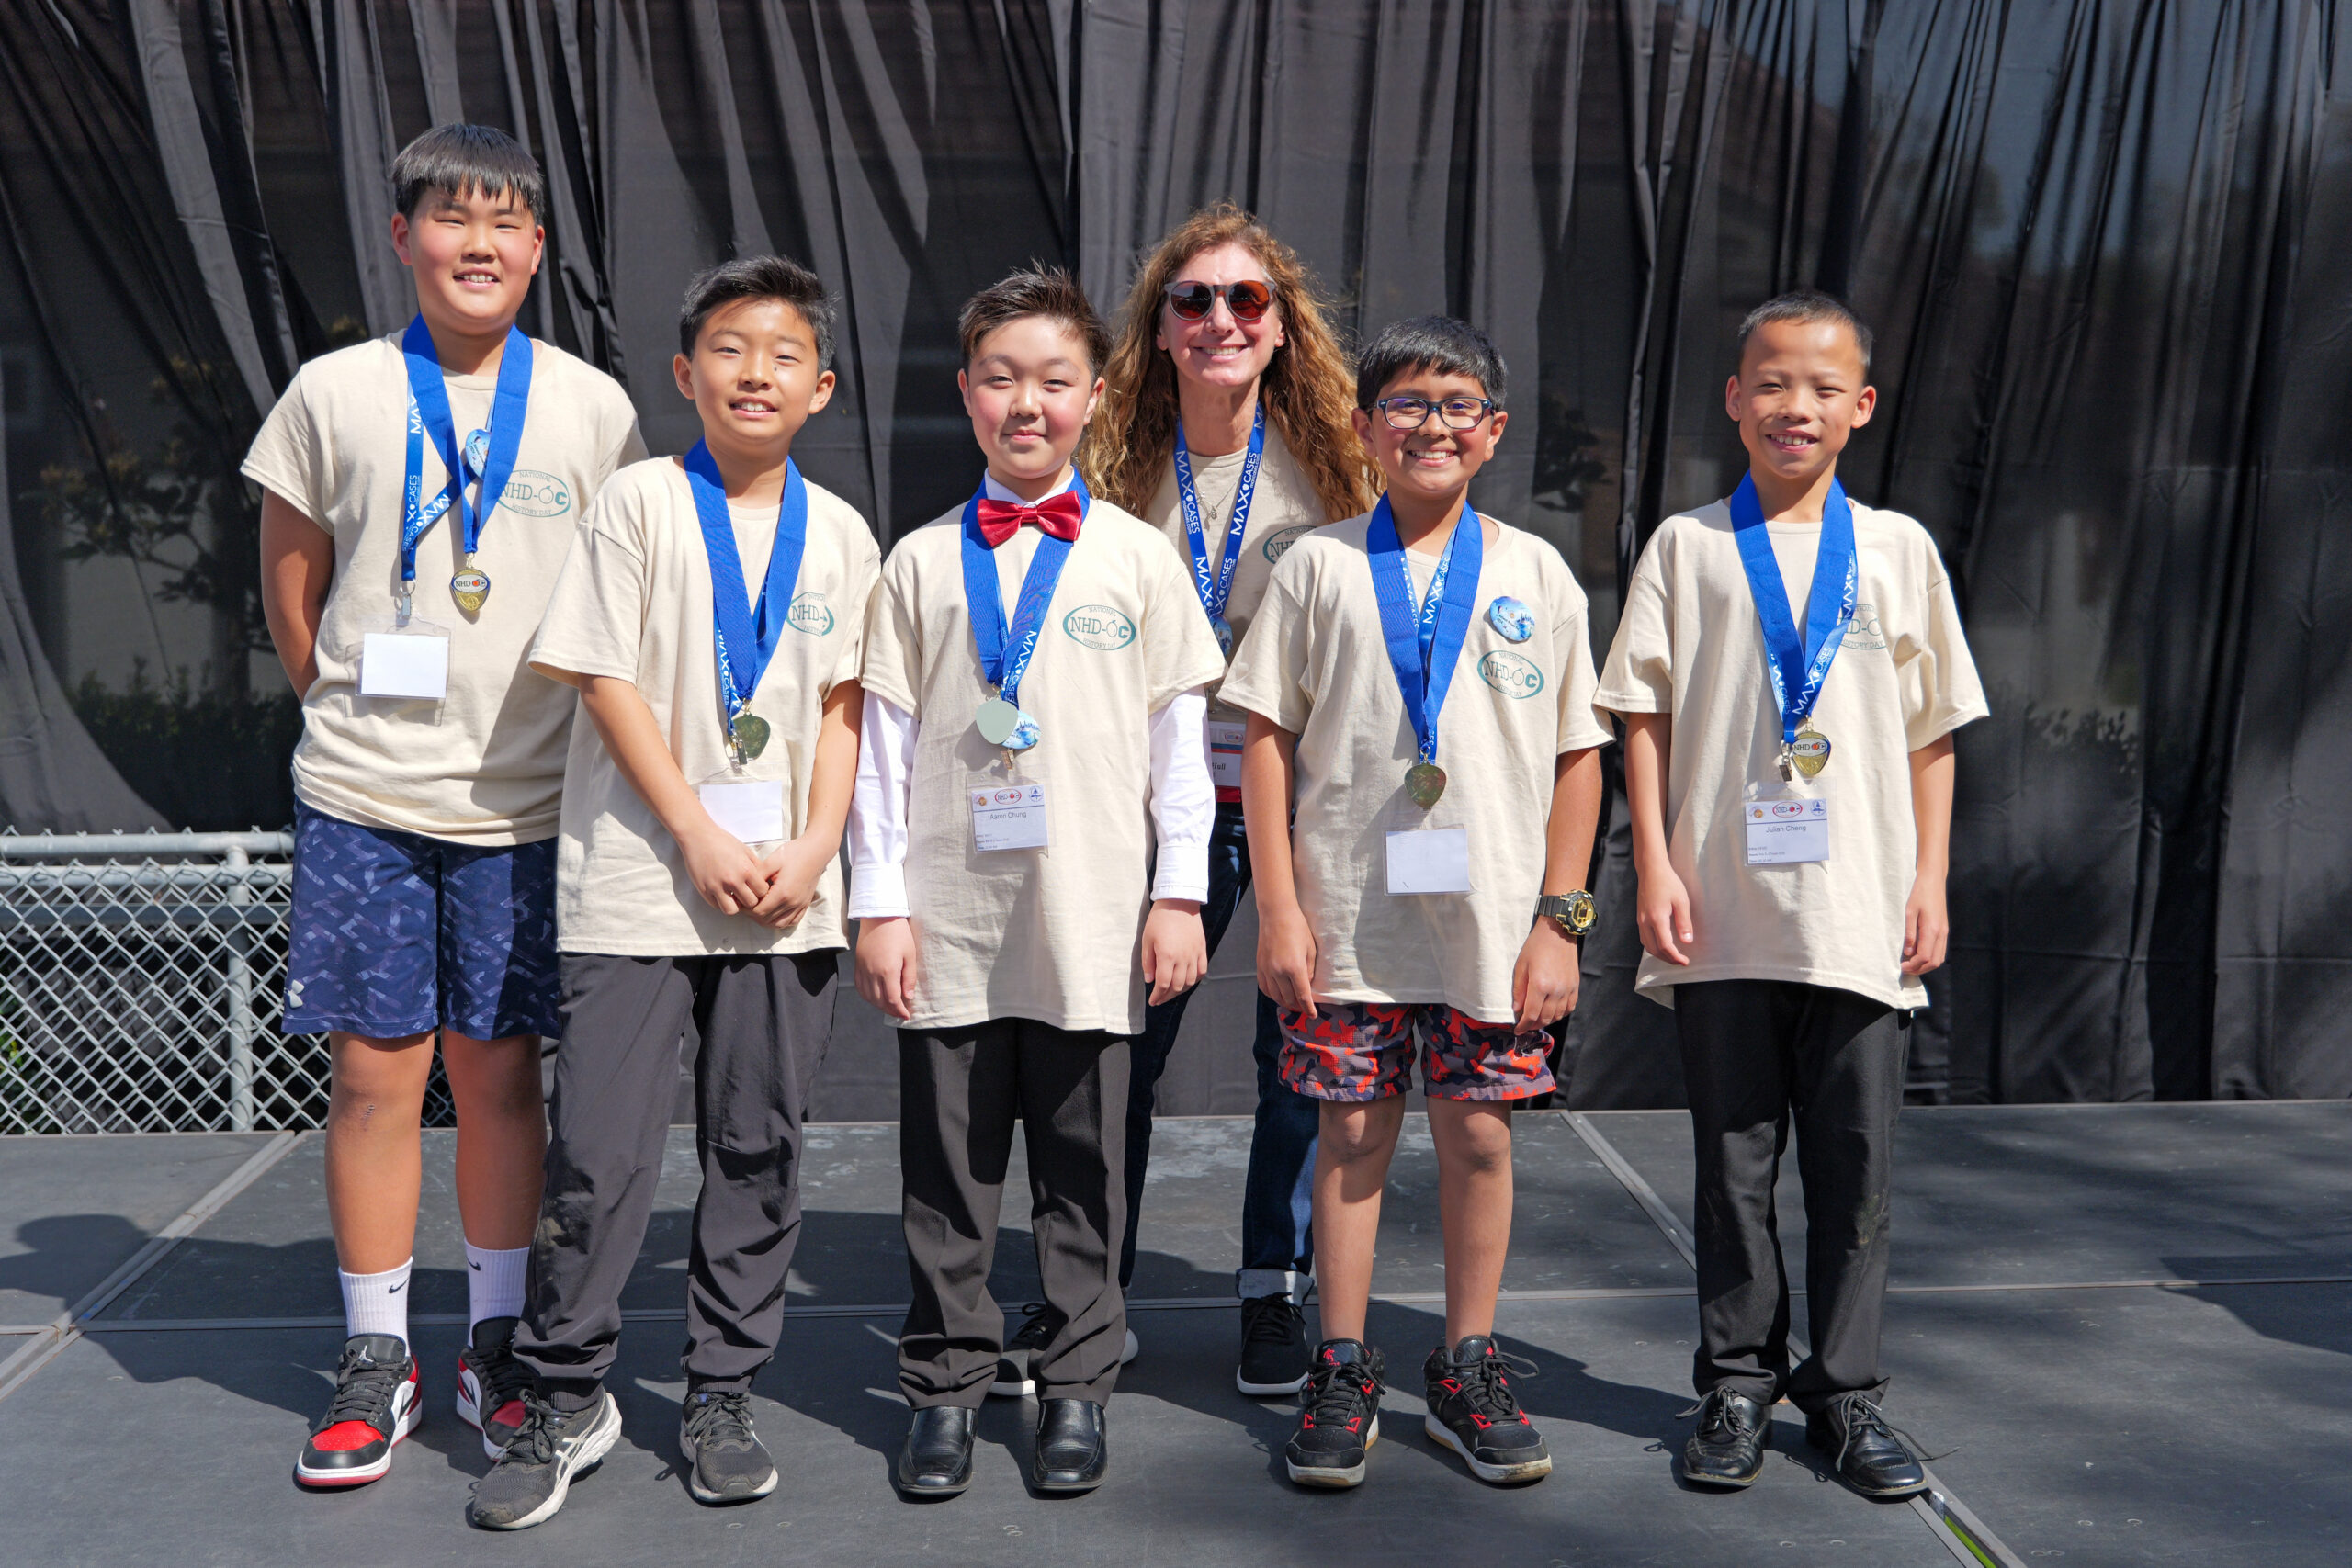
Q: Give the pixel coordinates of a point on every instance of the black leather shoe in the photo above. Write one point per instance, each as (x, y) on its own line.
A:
(937, 1459)
(1072, 1452)
(1870, 1457)
(1728, 1448)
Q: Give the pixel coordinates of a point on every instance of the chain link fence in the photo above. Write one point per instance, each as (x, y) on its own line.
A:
(142, 976)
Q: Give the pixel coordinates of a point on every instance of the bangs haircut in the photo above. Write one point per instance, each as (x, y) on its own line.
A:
(1809, 306)
(1438, 343)
(1044, 291)
(450, 159)
(758, 278)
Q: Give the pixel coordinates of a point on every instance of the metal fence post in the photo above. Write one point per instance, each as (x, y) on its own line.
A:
(241, 993)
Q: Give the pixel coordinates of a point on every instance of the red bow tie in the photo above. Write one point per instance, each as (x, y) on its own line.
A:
(1057, 514)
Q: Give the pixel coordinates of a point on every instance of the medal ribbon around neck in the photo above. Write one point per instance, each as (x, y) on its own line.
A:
(428, 414)
(1424, 646)
(1005, 651)
(746, 631)
(1798, 667)
(1214, 581)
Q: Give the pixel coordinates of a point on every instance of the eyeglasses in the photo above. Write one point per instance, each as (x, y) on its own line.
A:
(1454, 413)
(1248, 301)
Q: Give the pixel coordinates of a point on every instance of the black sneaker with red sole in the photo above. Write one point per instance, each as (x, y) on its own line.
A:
(376, 1405)
(1341, 1420)
(491, 1383)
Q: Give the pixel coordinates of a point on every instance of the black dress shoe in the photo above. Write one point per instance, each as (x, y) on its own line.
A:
(1072, 1452)
(937, 1459)
(1870, 1457)
(1728, 1448)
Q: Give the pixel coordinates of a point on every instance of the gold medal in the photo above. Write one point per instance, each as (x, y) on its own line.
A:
(1810, 751)
(1425, 782)
(469, 587)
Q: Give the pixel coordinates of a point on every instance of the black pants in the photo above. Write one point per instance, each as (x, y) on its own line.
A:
(765, 1022)
(961, 1092)
(1758, 1054)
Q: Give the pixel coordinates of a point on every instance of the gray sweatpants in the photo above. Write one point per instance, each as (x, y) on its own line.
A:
(765, 1022)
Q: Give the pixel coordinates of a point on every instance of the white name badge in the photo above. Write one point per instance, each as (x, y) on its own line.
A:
(412, 663)
(1429, 860)
(1225, 753)
(751, 809)
(1009, 815)
(1785, 828)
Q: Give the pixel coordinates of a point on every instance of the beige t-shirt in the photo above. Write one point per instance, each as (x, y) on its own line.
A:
(485, 765)
(1051, 934)
(634, 602)
(1691, 645)
(1283, 511)
(1317, 664)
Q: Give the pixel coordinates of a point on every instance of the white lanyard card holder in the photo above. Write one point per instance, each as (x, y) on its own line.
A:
(1786, 824)
(1428, 852)
(1224, 752)
(1008, 814)
(403, 661)
(751, 809)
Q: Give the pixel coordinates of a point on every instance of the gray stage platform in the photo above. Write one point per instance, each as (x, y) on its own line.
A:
(2109, 1320)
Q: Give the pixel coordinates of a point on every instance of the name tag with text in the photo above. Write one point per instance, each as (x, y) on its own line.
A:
(1008, 816)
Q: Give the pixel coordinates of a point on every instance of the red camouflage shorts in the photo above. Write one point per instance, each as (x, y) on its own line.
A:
(1363, 1051)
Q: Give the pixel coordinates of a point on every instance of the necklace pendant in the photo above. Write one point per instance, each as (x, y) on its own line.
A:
(1809, 752)
(749, 733)
(469, 587)
(1425, 782)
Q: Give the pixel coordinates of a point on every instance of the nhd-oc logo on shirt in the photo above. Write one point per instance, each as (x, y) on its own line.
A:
(1509, 674)
(535, 494)
(1098, 627)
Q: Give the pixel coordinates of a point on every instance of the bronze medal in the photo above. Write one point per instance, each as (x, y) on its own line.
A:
(469, 587)
(1425, 782)
(750, 732)
(1810, 751)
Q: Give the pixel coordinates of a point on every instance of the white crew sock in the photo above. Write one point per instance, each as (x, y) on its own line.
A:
(494, 1283)
(376, 1303)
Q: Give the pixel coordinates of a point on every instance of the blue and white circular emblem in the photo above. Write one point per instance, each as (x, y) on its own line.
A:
(478, 451)
(1514, 620)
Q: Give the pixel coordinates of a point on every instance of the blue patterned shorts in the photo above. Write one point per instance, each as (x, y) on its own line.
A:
(395, 934)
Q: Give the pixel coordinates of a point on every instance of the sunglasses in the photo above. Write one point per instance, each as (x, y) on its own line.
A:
(1247, 300)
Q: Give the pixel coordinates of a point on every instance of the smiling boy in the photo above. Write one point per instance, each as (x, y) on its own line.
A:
(710, 615)
(420, 491)
(1790, 666)
(1034, 666)
(1420, 690)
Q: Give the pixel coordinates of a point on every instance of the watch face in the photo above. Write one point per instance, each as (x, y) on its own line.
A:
(1580, 912)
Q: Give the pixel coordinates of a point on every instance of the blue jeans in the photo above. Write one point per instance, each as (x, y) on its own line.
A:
(1277, 1248)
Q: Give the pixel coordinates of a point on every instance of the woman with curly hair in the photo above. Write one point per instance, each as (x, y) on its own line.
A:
(1225, 422)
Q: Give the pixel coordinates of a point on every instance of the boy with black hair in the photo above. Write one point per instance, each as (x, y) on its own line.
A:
(710, 615)
(418, 494)
(1035, 662)
(1789, 668)
(1420, 697)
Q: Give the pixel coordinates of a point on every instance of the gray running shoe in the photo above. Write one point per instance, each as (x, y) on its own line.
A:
(730, 1465)
(531, 1479)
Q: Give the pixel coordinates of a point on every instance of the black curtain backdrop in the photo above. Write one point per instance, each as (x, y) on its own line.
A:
(2101, 240)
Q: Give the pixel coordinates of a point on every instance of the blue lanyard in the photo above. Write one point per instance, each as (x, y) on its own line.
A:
(1216, 591)
(1424, 646)
(1005, 653)
(487, 457)
(746, 632)
(1797, 668)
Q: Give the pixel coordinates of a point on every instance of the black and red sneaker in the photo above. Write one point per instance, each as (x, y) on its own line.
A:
(374, 1406)
(491, 1383)
(1473, 1411)
(1342, 1415)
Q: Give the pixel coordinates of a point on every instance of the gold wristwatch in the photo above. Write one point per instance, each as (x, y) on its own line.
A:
(1574, 911)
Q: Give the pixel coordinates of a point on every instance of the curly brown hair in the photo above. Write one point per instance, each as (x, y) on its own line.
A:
(1309, 387)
